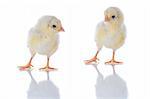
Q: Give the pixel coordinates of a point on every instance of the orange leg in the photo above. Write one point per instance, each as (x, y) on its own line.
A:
(27, 66)
(113, 61)
(47, 68)
(94, 59)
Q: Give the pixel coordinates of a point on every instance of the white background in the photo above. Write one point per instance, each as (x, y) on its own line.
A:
(79, 18)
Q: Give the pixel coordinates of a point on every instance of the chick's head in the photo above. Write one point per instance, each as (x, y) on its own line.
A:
(49, 24)
(113, 15)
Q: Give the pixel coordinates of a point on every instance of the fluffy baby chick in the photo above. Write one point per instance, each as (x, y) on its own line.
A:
(110, 33)
(43, 39)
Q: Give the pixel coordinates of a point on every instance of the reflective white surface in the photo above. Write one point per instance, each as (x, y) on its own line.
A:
(74, 79)
(45, 89)
(111, 87)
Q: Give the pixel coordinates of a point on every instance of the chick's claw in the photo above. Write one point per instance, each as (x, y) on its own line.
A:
(47, 69)
(91, 61)
(113, 62)
(26, 67)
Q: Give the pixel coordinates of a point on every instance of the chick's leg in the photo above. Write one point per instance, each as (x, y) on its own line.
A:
(47, 68)
(94, 59)
(28, 65)
(113, 61)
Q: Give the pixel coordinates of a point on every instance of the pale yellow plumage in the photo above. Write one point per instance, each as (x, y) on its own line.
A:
(109, 36)
(43, 43)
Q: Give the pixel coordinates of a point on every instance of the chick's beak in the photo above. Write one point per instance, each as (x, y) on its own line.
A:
(62, 29)
(106, 18)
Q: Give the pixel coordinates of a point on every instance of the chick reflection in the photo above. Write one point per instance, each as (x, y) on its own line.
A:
(111, 87)
(42, 90)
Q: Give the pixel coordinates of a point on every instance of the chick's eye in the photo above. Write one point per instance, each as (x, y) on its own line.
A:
(113, 16)
(54, 26)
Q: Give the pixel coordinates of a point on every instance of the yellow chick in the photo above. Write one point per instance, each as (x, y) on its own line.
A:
(43, 39)
(110, 33)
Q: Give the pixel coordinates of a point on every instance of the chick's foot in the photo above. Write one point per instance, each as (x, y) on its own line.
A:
(91, 61)
(113, 62)
(47, 69)
(26, 67)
